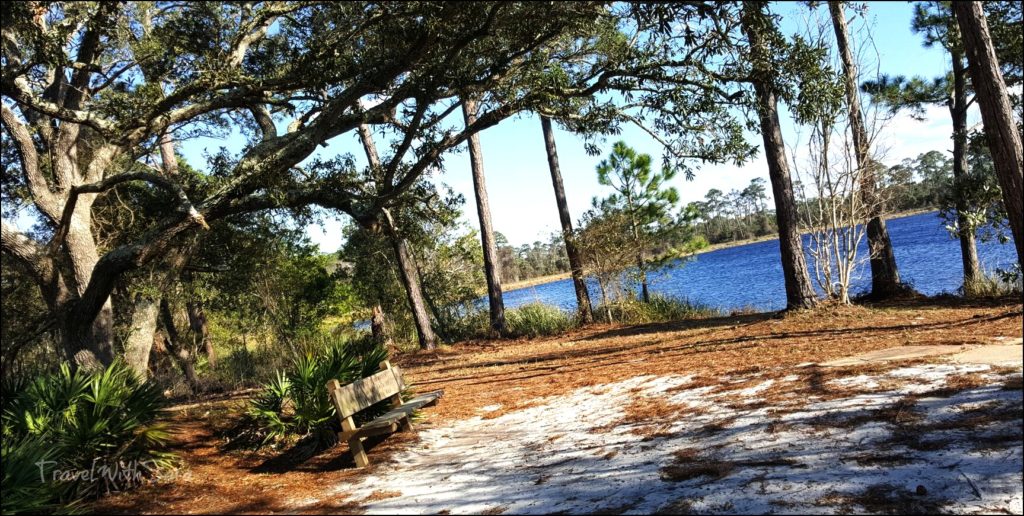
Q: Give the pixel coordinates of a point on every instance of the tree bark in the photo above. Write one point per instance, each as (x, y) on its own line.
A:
(411, 280)
(378, 327)
(200, 328)
(180, 353)
(492, 265)
(799, 292)
(958, 112)
(406, 266)
(1004, 139)
(568, 236)
(885, 276)
(139, 343)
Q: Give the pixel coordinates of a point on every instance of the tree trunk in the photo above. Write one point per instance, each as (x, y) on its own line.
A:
(958, 111)
(885, 276)
(1004, 139)
(799, 292)
(411, 280)
(378, 327)
(406, 266)
(575, 261)
(139, 343)
(93, 338)
(200, 328)
(492, 265)
(641, 264)
(180, 353)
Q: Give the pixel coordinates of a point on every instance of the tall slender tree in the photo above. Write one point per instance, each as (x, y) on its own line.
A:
(568, 236)
(407, 269)
(885, 276)
(1003, 133)
(757, 26)
(641, 195)
(492, 266)
(936, 22)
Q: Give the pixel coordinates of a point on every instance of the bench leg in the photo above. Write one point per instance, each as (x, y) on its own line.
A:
(355, 445)
(406, 424)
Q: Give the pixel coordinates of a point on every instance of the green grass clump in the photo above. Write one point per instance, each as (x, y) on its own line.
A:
(1003, 283)
(538, 320)
(658, 309)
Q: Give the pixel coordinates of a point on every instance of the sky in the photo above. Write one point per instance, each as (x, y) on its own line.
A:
(519, 182)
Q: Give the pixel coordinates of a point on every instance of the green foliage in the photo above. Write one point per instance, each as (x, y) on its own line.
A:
(639, 191)
(23, 493)
(634, 224)
(447, 254)
(658, 309)
(72, 422)
(538, 320)
(530, 320)
(736, 215)
(606, 246)
(295, 404)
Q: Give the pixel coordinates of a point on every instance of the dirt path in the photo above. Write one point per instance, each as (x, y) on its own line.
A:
(486, 382)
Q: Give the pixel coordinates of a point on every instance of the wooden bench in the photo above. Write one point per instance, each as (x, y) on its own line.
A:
(387, 384)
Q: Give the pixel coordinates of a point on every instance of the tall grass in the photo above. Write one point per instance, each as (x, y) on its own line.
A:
(658, 309)
(529, 320)
(538, 320)
(1002, 283)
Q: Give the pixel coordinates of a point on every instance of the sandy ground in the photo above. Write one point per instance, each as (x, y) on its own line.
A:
(893, 439)
(719, 415)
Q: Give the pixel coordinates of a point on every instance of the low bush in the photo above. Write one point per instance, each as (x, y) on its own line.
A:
(69, 436)
(294, 405)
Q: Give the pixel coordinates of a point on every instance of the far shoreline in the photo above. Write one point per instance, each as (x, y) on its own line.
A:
(551, 278)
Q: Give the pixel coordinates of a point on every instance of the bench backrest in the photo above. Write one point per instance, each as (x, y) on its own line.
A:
(360, 394)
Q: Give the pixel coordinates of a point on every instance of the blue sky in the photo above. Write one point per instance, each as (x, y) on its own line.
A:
(519, 184)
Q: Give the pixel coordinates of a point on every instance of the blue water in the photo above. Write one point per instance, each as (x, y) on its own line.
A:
(751, 275)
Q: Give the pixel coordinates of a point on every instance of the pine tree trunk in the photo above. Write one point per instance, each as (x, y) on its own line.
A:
(958, 111)
(411, 280)
(568, 236)
(406, 267)
(885, 276)
(1004, 139)
(483, 210)
(799, 292)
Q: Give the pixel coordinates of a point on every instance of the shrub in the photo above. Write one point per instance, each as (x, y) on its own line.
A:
(294, 404)
(76, 422)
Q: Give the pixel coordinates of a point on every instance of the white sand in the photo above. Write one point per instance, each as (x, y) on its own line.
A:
(553, 457)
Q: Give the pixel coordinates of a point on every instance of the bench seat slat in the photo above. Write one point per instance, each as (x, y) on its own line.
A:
(388, 422)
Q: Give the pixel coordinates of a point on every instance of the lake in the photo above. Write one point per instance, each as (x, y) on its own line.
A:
(750, 276)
